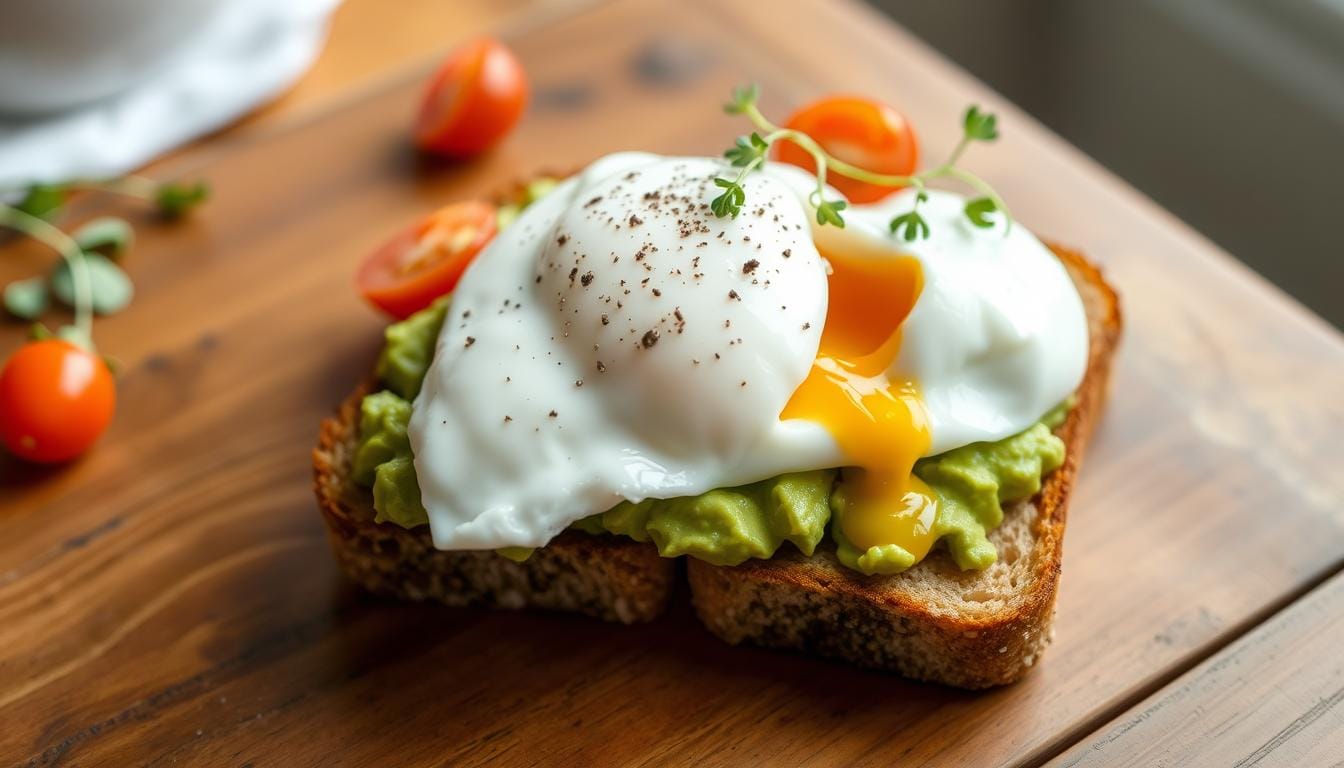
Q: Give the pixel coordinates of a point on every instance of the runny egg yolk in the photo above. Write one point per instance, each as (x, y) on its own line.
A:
(879, 422)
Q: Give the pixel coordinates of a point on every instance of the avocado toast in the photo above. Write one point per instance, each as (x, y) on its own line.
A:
(935, 621)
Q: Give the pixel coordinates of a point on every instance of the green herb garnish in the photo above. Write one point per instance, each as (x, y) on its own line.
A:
(911, 226)
(749, 153)
(87, 278)
(170, 198)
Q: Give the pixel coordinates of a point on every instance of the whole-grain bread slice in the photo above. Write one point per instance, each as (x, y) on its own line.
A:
(608, 577)
(935, 622)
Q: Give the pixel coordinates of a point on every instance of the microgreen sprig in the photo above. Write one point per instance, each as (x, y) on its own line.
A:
(911, 226)
(39, 229)
(87, 278)
(749, 153)
(171, 198)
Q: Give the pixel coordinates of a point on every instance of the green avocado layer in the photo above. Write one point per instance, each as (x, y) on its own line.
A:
(725, 526)
(383, 460)
(408, 347)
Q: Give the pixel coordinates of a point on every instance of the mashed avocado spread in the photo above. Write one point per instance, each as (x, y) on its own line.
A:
(725, 526)
(407, 349)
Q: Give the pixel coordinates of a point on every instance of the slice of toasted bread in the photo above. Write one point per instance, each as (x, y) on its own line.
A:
(608, 577)
(935, 622)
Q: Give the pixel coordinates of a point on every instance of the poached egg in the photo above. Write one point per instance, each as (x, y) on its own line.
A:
(619, 342)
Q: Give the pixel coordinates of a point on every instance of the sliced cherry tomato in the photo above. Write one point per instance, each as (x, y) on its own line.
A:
(55, 401)
(859, 131)
(425, 261)
(473, 101)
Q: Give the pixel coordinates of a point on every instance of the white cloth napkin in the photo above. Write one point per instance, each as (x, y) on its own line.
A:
(250, 52)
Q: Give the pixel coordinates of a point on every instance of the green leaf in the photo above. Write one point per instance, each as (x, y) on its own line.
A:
(828, 212)
(980, 126)
(744, 96)
(108, 234)
(175, 199)
(43, 200)
(39, 332)
(111, 289)
(746, 149)
(730, 202)
(27, 299)
(910, 227)
(978, 211)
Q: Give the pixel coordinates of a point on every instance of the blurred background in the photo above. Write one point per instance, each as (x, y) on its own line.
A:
(1230, 113)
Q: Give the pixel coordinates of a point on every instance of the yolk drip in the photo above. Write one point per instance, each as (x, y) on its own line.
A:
(879, 422)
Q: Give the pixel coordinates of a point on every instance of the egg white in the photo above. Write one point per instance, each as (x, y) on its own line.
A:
(547, 400)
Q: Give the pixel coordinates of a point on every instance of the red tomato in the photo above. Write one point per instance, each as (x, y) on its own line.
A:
(473, 100)
(859, 131)
(425, 260)
(55, 401)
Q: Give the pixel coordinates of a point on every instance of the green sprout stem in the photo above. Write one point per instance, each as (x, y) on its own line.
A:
(746, 169)
(40, 230)
(983, 187)
(131, 186)
(957, 151)
(825, 161)
(819, 156)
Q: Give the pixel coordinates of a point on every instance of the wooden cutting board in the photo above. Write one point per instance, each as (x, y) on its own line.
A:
(171, 599)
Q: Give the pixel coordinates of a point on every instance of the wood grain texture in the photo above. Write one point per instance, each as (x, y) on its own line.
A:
(1274, 697)
(171, 599)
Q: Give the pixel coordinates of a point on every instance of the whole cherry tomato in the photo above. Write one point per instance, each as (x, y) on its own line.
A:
(859, 131)
(473, 100)
(56, 399)
(425, 261)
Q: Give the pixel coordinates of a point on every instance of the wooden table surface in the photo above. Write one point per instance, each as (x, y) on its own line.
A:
(171, 599)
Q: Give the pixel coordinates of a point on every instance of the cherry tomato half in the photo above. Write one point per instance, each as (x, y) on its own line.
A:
(55, 401)
(425, 261)
(859, 131)
(473, 101)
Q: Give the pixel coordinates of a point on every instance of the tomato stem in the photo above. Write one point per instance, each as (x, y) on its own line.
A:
(45, 233)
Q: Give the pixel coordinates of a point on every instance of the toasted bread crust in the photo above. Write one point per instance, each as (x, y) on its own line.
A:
(889, 622)
(607, 577)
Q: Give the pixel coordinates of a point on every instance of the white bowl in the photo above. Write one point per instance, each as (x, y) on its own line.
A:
(56, 54)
